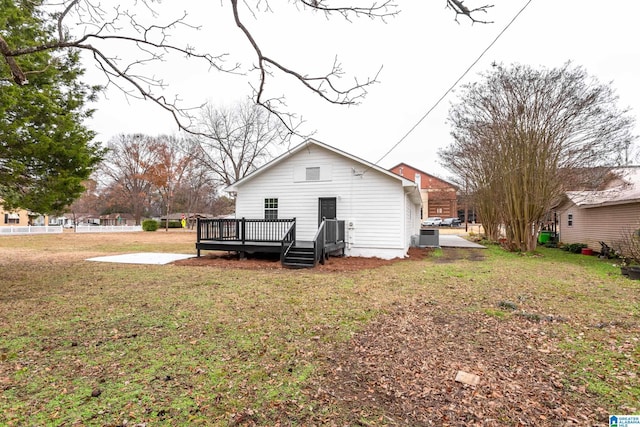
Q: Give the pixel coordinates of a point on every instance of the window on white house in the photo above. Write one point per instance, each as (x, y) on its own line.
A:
(313, 174)
(570, 220)
(271, 208)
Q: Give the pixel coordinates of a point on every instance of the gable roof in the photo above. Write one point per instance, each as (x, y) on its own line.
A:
(310, 142)
(627, 192)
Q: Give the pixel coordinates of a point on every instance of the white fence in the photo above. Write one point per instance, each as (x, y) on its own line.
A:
(107, 228)
(14, 230)
(30, 229)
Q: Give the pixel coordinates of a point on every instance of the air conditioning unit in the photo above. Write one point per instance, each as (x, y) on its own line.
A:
(429, 238)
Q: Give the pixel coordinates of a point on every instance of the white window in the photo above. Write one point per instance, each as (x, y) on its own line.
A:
(11, 218)
(313, 174)
(570, 220)
(271, 208)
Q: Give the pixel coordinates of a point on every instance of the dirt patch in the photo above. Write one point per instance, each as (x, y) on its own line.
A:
(272, 261)
(405, 363)
(455, 254)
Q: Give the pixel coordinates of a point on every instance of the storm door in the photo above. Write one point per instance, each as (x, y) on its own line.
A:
(327, 208)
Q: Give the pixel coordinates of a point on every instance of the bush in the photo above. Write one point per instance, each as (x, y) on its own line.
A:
(149, 225)
(574, 248)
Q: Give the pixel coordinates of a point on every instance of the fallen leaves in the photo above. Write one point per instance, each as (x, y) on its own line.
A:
(271, 262)
(421, 365)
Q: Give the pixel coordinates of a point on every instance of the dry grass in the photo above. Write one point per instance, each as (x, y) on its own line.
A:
(112, 344)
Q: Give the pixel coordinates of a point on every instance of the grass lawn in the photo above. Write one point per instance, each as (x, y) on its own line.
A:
(87, 343)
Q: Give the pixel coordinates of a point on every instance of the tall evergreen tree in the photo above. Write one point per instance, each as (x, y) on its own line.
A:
(45, 150)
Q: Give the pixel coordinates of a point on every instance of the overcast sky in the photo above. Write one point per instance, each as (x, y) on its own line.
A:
(423, 51)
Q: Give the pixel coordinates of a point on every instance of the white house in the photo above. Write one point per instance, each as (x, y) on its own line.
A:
(381, 210)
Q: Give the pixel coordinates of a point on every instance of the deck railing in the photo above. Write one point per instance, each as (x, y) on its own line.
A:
(254, 232)
(334, 231)
(330, 231)
(288, 241)
(243, 230)
(318, 243)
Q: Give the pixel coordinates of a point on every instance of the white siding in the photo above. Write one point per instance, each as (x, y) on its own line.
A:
(412, 220)
(373, 204)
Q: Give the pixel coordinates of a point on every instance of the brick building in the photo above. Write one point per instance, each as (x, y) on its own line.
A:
(439, 197)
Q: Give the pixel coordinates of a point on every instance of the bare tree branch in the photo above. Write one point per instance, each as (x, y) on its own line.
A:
(16, 72)
(386, 9)
(150, 39)
(325, 86)
(104, 32)
(460, 9)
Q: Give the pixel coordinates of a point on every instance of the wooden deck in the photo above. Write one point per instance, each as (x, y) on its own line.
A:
(244, 235)
(270, 236)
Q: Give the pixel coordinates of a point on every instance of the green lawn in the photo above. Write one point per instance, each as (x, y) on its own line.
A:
(85, 343)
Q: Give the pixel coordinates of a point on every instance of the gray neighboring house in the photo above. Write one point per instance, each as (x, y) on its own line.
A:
(601, 215)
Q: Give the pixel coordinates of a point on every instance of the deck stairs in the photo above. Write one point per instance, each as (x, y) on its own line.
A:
(300, 256)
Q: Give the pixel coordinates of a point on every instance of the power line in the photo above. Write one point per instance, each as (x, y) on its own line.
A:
(456, 82)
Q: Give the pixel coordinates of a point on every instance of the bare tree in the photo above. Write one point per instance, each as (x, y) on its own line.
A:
(104, 32)
(173, 159)
(627, 247)
(197, 191)
(238, 139)
(521, 133)
(129, 167)
(88, 202)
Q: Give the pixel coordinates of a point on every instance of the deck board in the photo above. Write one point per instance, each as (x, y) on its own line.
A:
(238, 246)
(256, 246)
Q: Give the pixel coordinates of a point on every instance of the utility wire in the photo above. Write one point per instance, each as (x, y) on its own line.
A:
(456, 82)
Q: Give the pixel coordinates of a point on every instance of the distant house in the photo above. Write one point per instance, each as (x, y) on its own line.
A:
(191, 218)
(117, 219)
(20, 217)
(79, 218)
(380, 209)
(439, 197)
(592, 216)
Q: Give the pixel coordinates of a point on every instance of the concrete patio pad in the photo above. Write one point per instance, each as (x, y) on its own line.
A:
(454, 241)
(142, 258)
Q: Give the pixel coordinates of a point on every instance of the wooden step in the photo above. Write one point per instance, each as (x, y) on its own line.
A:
(299, 257)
